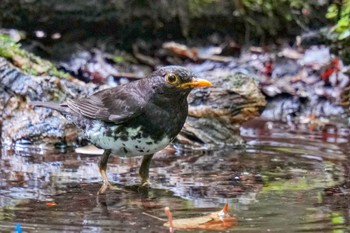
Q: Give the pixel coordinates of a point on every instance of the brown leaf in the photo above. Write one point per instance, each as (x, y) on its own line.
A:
(220, 220)
(51, 204)
(181, 50)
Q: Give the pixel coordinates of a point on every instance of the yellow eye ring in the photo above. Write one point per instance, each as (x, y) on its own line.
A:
(171, 78)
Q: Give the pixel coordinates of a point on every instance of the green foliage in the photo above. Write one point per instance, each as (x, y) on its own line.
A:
(337, 218)
(271, 16)
(28, 62)
(197, 6)
(342, 16)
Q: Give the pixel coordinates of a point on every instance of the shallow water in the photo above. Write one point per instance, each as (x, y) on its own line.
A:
(286, 179)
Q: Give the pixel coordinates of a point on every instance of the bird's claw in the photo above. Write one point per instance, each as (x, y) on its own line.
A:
(145, 183)
(143, 187)
(105, 187)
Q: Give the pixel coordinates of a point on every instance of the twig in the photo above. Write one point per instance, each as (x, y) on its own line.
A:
(170, 218)
(215, 58)
(153, 216)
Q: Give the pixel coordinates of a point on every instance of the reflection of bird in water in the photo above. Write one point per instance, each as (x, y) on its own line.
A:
(138, 118)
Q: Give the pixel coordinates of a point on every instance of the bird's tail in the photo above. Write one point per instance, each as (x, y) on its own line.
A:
(56, 106)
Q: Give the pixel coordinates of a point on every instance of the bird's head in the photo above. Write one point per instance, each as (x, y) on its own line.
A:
(176, 80)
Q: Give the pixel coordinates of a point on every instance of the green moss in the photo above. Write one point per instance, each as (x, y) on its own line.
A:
(58, 73)
(8, 46)
(27, 62)
(118, 59)
(238, 79)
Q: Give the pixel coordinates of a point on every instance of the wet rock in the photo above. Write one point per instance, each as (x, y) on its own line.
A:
(345, 100)
(215, 114)
(290, 108)
(300, 84)
(19, 121)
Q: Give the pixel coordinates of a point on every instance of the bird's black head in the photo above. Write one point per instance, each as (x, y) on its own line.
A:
(175, 80)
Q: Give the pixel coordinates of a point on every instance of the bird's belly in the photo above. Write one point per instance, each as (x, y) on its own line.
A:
(128, 146)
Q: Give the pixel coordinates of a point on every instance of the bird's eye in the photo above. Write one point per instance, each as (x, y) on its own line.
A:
(171, 78)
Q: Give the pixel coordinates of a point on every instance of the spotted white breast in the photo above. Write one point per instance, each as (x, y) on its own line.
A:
(127, 147)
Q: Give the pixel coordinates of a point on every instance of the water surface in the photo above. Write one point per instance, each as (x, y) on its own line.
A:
(286, 179)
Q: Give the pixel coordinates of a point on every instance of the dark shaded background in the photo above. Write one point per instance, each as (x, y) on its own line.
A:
(122, 22)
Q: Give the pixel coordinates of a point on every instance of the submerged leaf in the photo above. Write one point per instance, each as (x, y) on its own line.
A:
(51, 204)
(220, 220)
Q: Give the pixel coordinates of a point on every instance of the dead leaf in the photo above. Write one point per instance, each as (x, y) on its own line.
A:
(329, 69)
(51, 204)
(89, 150)
(181, 50)
(219, 221)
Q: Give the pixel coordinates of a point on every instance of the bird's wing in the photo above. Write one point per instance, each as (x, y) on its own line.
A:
(116, 105)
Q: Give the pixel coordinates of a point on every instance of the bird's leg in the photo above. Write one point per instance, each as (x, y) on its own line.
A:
(144, 169)
(102, 165)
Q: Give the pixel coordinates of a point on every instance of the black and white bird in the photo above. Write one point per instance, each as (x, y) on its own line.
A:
(135, 119)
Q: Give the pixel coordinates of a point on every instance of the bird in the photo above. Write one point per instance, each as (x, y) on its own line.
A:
(138, 118)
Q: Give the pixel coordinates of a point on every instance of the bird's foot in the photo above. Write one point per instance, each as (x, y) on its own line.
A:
(105, 187)
(145, 183)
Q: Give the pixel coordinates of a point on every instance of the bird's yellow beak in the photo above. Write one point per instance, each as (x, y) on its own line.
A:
(195, 83)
